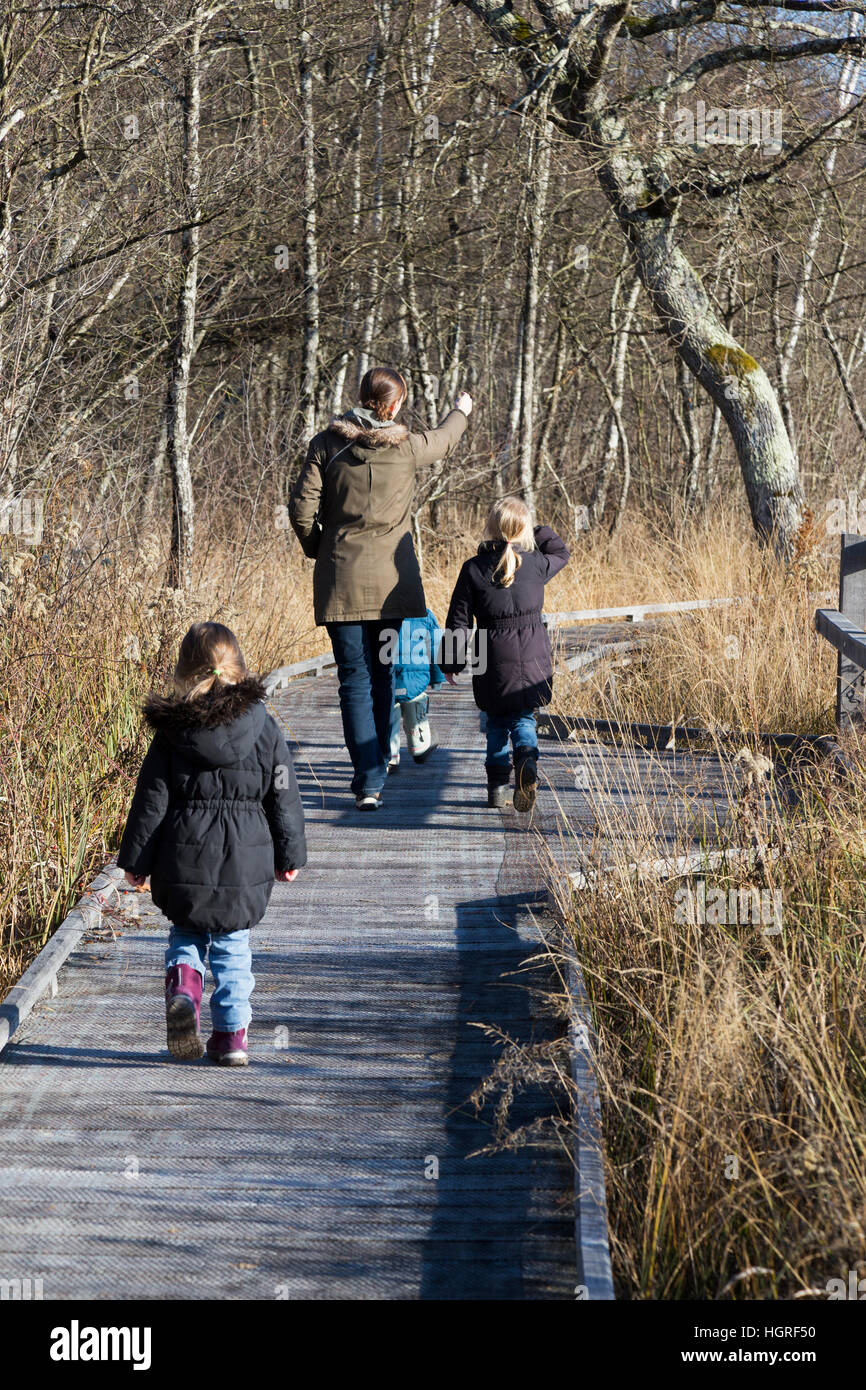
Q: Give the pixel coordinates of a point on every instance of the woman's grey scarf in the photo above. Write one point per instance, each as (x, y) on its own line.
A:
(368, 420)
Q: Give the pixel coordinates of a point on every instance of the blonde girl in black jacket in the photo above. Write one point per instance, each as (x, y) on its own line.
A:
(501, 591)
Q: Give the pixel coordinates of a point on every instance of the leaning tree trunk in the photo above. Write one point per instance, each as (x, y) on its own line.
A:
(583, 108)
(177, 398)
(733, 379)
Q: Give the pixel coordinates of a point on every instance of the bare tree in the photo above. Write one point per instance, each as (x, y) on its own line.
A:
(573, 54)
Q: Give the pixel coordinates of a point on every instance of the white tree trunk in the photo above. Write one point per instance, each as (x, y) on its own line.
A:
(539, 176)
(310, 359)
(177, 399)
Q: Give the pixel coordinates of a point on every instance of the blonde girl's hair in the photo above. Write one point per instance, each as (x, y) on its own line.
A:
(210, 658)
(510, 520)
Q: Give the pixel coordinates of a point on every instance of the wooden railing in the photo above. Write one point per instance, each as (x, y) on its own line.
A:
(632, 613)
(844, 629)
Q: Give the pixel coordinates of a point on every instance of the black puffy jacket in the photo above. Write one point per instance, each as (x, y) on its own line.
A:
(216, 812)
(519, 667)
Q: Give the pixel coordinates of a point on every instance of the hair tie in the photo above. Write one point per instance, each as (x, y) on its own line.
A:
(216, 671)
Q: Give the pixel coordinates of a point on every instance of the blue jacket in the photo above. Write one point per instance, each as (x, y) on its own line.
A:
(415, 668)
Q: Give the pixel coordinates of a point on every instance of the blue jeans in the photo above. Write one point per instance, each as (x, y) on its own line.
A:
(231, 963)
(519, 727)
(366, 699)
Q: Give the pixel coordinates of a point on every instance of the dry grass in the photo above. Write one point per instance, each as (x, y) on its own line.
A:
(756, 664)
(732, 1061)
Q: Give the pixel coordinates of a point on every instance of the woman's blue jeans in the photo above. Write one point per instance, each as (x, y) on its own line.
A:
(366, 699)
(231, 964)
(520, 728)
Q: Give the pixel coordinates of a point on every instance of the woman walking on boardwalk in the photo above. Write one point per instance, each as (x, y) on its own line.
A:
(350, 509)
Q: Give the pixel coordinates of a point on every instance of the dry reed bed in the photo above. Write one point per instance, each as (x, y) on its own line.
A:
(731, 1058)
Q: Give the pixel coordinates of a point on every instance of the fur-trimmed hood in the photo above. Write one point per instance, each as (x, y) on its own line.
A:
(364, 431)
(216, 730)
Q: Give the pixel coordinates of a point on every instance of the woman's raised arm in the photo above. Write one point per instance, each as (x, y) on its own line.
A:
(430, 445)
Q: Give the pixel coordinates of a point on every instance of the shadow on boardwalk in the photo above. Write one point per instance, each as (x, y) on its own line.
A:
(497, 1212)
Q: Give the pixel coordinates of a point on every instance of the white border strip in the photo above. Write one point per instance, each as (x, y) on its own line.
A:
(41, 976)
(591, 1235)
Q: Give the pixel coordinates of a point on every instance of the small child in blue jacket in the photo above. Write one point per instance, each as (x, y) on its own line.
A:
(415, 671)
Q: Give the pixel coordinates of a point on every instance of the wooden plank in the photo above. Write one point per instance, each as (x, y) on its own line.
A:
(636, 612)
(846, 636)
(284, 675)
(701, 861)
(41, 977)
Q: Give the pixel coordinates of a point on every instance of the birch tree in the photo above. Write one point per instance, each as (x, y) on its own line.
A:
(177, 399)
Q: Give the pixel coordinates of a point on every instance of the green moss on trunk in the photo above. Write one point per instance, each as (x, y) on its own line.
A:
(731, 361)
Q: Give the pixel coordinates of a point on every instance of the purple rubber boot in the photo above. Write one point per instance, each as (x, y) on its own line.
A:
(182, 1009)
(228, 1049)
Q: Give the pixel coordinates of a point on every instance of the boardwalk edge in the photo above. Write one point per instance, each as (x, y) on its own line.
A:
(40, 977)
(594, 1274)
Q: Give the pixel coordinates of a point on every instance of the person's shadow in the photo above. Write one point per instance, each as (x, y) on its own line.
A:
(502, 1226)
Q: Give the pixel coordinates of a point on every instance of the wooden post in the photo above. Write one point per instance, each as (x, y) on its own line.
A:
(851, 679)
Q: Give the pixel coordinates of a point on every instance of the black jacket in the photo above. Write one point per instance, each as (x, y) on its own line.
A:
(216, 812)
(518, 674)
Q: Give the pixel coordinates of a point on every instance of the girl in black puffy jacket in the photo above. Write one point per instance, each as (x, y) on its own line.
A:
(501, 590)
(215, 818)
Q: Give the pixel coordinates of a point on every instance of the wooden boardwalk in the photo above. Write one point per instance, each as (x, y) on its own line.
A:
(343, 1162)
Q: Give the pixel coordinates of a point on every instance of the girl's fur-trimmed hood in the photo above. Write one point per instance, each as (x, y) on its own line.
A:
(355, 431)
(173, 713)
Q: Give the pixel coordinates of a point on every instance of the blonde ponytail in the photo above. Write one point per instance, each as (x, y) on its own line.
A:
(508, 566)
(510, 520)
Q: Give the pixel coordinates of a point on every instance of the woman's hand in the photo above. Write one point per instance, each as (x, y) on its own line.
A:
(287, 876)
(135, 880)
(450, 677)
(464, 403)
